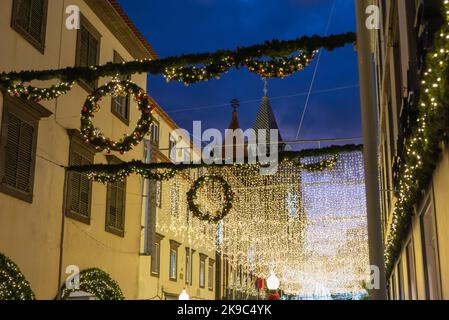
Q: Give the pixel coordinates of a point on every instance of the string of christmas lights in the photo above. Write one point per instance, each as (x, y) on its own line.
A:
(423, 142)
(96, 282)
(190, 68)
(307, 227)
(13, 285)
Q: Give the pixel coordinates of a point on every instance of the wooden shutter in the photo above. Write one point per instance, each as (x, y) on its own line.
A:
(75, 184)
(115, 208)
(11, 150)
(83, 48)
(23, 13)
(93, 50)
(25, 162)
(19, 154)
(120, 105)
(112, 205)
(36, 17)
(80, 188)
(29, 20)
(87, 51)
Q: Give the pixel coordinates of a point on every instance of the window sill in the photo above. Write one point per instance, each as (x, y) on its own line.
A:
(77, 217)
(116, 232)
(10, 191)
(156, 275)
(40, 46)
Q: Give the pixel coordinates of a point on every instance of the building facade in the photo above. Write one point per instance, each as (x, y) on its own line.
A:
(399, 49)
(51, 220)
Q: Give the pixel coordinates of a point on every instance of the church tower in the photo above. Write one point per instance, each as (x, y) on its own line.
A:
(266, 120)
(230, 136)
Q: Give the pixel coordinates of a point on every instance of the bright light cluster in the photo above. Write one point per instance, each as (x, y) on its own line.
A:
(309, 228)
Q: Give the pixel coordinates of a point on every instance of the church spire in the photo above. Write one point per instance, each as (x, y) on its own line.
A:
(266, 119)
(234, 120)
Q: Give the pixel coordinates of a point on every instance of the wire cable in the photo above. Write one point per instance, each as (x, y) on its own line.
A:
(315, 72)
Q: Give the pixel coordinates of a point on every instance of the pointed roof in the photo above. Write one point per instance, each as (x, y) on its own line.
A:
(233, 125)
(265, 118)
(234, 120)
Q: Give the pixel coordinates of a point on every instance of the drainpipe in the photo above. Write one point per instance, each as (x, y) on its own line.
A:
(61, 243)
(369, 125)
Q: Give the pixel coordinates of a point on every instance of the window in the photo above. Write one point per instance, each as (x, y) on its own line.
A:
(171, 147)
(156, 256)
(203, 270)
(115, 208)
(411, 272)
(29, 19)
(120, 105)
(155, 133)
(173, 270)
(87, 50)
(115, 204)
(211, 275)
(18, 146)
(430, 249)
(189, 265)
(79, 193)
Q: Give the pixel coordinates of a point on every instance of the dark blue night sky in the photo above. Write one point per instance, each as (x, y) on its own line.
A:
(175, 27)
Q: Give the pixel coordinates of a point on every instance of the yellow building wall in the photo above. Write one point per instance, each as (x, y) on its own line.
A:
(30, 234)
(441, 193)
(162, 287)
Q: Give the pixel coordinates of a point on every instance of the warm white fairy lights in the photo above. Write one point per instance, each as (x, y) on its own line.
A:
(422, 144)
(309, 228)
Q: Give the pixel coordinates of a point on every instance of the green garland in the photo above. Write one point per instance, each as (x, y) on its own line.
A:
(98, 283)
(13, 285)
(95, 137)
(190, 68)
(422, 150)
(280, 67)
(37, 94)
(201, 183)
(105, 173)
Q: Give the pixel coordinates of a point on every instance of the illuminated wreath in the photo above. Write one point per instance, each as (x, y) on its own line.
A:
(228, 198)
(96, 282)
(95, 137)
(13, 285)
